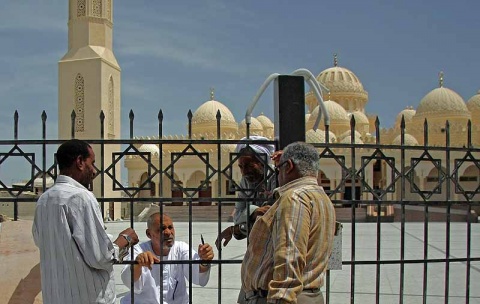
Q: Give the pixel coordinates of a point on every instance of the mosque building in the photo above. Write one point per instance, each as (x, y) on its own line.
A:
(90, 81)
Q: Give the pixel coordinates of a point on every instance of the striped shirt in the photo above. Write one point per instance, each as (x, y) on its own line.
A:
(76, 255)
(291, 243)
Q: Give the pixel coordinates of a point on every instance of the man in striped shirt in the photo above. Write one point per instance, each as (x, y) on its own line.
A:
(290, 244)
(76, 255)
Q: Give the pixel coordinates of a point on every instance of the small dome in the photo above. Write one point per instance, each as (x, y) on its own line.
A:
(442, 101)
(473, 104)
(340, 80)
(409, 140)
(149, 148)
(313, 137)
(360, 118)
(407, 113)
(336, 111)
(256, 127)
(265, 121)
(347, 134)
(348, 140)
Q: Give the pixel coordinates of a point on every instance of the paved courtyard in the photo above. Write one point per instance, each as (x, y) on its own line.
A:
(20, 277)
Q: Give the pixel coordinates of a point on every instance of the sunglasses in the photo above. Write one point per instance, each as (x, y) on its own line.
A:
(277, 168)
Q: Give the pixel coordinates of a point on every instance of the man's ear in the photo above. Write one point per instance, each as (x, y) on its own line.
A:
(289, 166)
(79, 163)
(147, 232)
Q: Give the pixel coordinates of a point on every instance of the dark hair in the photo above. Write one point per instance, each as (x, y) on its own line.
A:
(70, 150)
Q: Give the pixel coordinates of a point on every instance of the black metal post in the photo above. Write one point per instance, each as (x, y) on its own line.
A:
(289, 98)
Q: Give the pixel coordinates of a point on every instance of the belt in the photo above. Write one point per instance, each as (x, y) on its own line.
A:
(264, 293)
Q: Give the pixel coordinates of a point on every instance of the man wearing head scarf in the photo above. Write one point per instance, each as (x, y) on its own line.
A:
(255, 194)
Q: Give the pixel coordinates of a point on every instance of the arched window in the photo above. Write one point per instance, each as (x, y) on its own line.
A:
(79, 103)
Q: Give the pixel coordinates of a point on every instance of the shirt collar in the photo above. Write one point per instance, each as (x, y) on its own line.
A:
(64, 179)
(303, 181)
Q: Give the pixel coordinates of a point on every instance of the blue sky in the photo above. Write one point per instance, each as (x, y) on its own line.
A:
(172, 52)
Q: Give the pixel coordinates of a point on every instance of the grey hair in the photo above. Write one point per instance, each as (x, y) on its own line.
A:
(304, 156)
(151, 219)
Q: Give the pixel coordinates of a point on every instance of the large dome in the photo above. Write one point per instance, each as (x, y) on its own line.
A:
(442, 101)
(409, 140)
(340, 80)
(205, 118)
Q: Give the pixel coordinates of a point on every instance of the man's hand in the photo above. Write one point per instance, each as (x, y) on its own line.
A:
(147, 259)
(205, 252)
(259, 211)
(227, 235)
(276, 157)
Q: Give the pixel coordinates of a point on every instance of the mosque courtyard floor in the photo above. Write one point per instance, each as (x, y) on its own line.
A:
(20, 271)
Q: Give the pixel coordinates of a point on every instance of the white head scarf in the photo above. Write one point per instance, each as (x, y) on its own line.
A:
(268, 149)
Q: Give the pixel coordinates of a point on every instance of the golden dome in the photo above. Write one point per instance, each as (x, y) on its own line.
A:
(256, 127)
(265, 121)
(205, 118)
(407, 113)
(340, 80)
(336, 111)
(360, 118)
(473, 104)
(313, 137)
(347, 134)
(442, 101)
(149, 148)
(409, 140)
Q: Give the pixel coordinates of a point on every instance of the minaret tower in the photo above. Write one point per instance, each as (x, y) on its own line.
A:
(89, 82)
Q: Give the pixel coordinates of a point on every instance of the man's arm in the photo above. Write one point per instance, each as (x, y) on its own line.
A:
(290, 240)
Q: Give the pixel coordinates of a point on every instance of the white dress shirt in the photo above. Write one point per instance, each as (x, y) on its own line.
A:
(147, 288)
(76, 255)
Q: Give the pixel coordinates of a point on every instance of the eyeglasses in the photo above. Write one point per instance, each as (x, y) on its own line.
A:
(277, 168)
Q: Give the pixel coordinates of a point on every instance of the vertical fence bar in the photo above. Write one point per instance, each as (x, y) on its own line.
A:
(379, 226)
(131, 117)
(162, 172)
(219, 203)
(448, 214)
(353, 179)
(402, 196)
(102, 166)
(469, 224)
(72, 126)
(425, 227)
(15, 136)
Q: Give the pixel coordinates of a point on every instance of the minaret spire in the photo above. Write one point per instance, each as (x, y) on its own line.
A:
(212, 93)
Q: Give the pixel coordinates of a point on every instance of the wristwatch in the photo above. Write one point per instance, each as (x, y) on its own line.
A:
(128, 238)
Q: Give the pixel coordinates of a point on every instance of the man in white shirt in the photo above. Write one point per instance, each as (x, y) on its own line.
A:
(76, 255)
(146, 274)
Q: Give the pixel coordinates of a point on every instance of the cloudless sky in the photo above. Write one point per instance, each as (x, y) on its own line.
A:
(172, 52)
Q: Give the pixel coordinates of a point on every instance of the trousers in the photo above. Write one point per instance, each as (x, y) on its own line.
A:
(305, 297)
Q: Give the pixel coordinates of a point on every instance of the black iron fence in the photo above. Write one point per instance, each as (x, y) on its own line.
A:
(368, 182)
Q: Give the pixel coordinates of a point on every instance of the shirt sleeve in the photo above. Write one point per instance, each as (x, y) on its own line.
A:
(88, 232)
(127, 270)
(241, 204)
(198, 278)
(290, 240)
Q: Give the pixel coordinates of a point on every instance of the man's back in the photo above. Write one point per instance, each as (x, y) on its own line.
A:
(75, 252)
